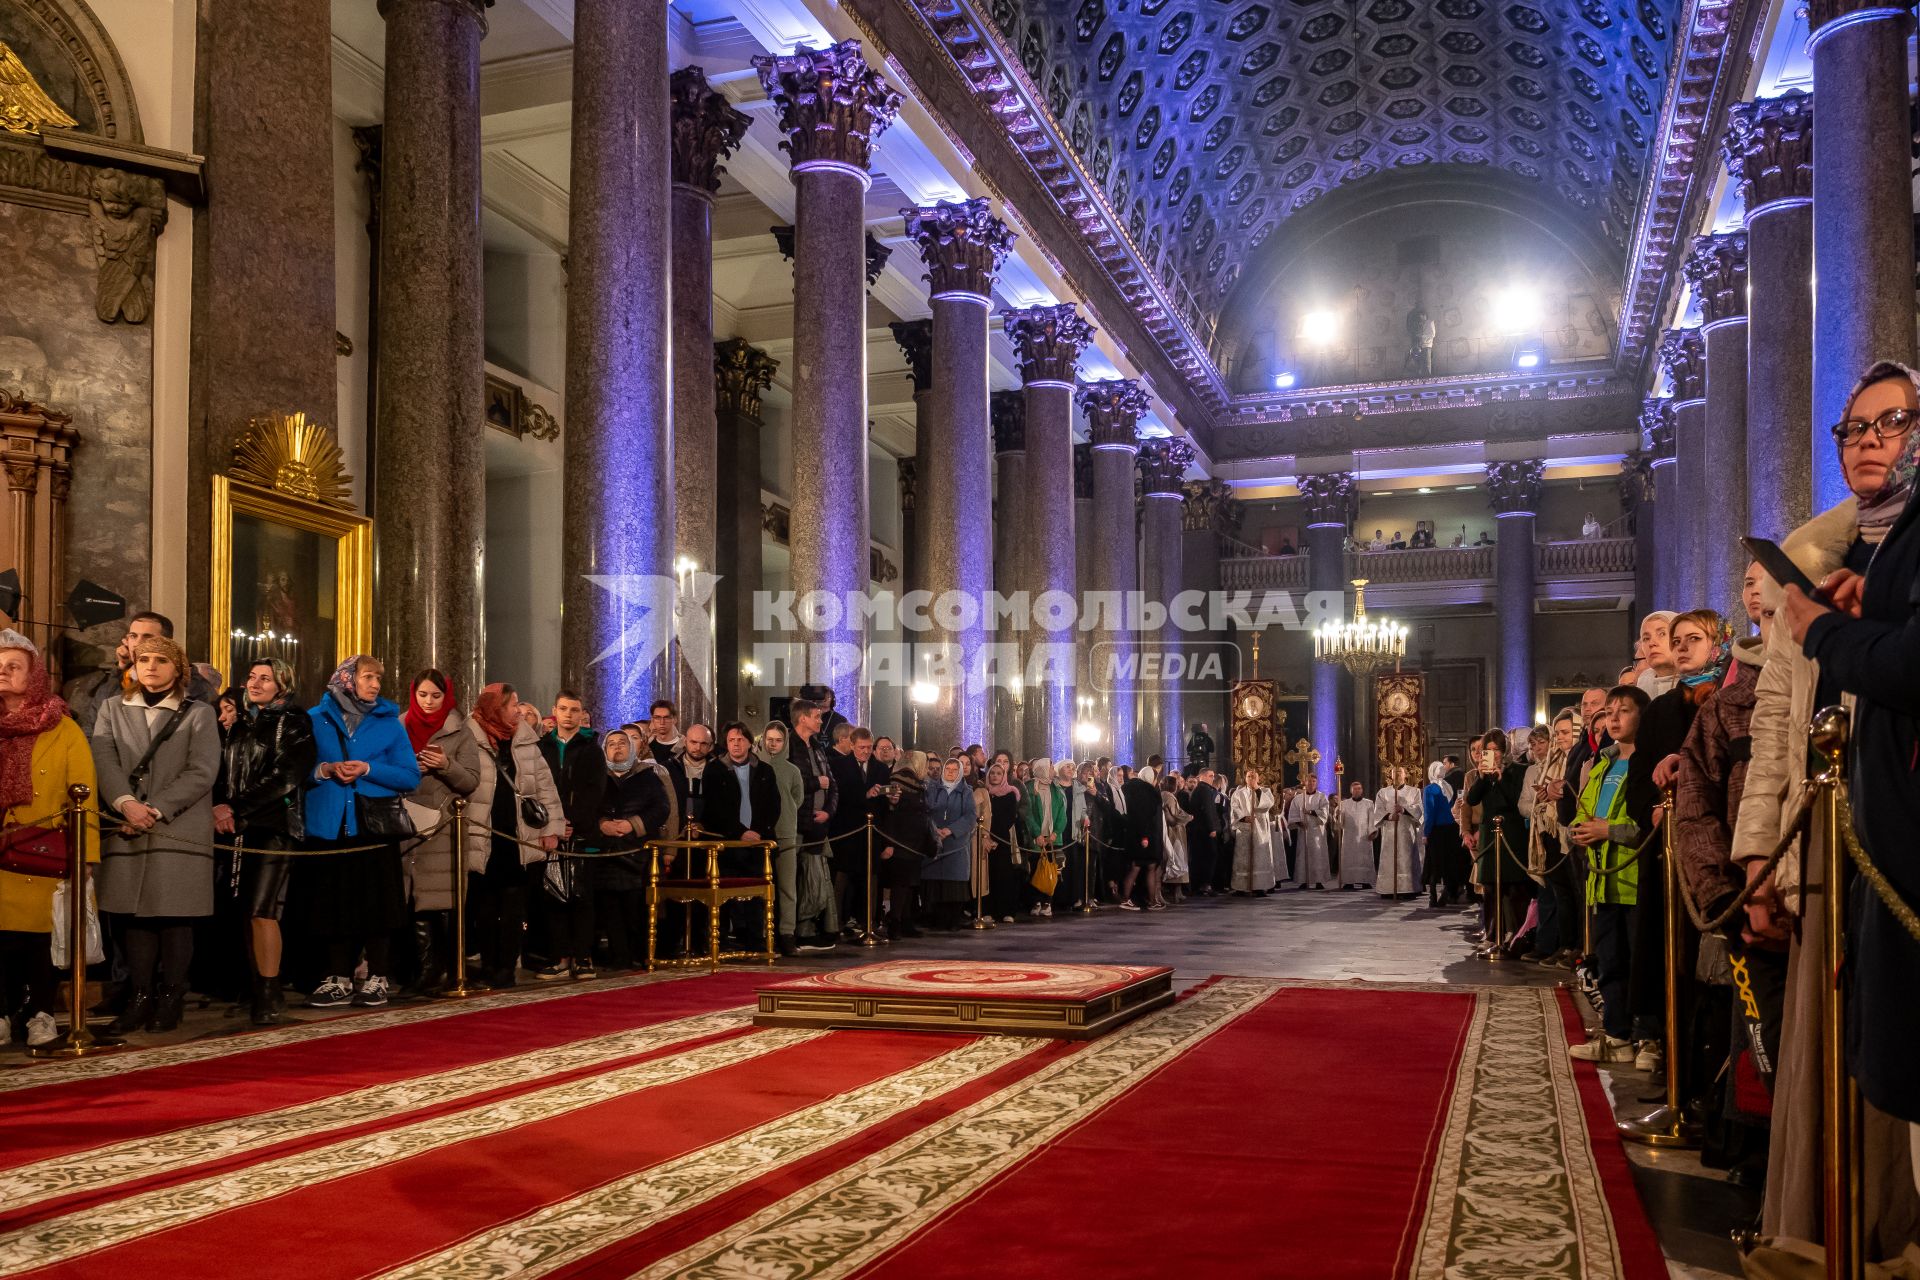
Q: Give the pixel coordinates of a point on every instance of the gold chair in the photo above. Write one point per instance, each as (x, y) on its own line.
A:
(712, 890)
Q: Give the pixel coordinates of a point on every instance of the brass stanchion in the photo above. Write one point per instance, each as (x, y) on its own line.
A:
(980, 920)
(1845, 1179)
(869, 938)
(1496, 934)
(79, 1041)
(1668, 1126)
(1086, 860)
(458, 988)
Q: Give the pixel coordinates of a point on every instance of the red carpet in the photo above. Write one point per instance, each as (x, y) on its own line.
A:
(1254, 1128)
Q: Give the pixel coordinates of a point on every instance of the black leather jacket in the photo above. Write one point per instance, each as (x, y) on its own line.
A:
(268, 758)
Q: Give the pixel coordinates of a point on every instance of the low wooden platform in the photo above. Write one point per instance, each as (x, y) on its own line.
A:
(1064, 1001)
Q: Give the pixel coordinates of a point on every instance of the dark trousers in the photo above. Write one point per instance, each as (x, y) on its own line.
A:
(1560, 905)
(1201, 852)
(570, 924)
(1612, 959)
(1004, 881)
(497, 910)
(26, 974)
(1759, 1002)
(158, 948)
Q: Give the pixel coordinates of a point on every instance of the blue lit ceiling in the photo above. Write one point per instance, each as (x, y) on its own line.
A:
(1206, 122)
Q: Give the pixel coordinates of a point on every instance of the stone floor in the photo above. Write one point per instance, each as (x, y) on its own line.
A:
(1313, 935)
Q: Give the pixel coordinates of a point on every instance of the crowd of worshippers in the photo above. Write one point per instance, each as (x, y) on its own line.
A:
(1703, 745)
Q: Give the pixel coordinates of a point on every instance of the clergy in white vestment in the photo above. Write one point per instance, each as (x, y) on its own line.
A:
(1250, 815)
(1397, 816)
(1307, 819)
(1353, 818)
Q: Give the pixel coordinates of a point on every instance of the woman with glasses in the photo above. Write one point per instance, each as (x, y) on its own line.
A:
(1848, 547)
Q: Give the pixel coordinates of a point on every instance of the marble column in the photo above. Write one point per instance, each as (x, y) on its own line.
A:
(706, 130)
(962, 246)
(429, 502)
(1113, 407)
(1669, 521)
(1210, 514)
(1769, 152)
(1013, 525)
(1330, 500)
(832, 106)
(1163, 469)
(263, 310)
(1083, 535)
(1047, 341)
(1862, 208)
(916, 343)
(1513, 490)
(1717, 268)
(740, 373)
(1683, 352)
(1636, 500)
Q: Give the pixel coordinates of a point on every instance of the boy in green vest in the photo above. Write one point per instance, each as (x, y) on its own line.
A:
(1610, 836)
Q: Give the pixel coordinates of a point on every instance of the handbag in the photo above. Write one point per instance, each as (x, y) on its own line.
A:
(532, 812)
(36, 851)
(382, 817)
(1046, 876)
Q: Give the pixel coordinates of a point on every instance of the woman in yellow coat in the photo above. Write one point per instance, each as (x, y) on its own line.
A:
(42, 753)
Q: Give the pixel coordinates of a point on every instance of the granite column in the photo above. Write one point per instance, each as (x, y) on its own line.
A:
(705, 131)
(962, 246)
(740, 373)
(1636, 500)
(429, 500)
(916, 343)
(1330, 499)
(1862, 209)
(1668, 522)
(1113, 408)
(1717, 268)
(1084, 699)
(1163, 468)
(1769, 150)
(1513, 489)
(1012, 527)
(832, 105)
(1210, 514)
(1048, 341)
(1683, 353)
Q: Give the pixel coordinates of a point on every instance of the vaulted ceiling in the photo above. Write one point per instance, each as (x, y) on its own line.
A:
(1206, 123)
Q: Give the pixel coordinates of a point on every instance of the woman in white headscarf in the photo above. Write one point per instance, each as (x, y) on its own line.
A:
(1445, 871)
(1044, 820)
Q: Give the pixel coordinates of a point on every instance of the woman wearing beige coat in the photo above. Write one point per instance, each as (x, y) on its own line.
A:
(496, 815)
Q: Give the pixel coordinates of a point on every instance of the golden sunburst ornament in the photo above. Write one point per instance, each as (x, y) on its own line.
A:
(286, 453)
(24, 105)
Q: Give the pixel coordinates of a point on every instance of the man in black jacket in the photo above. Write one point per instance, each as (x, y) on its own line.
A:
(861, 783)
(579, 771)
(810, 755)
(739, 800)
(1203, 833)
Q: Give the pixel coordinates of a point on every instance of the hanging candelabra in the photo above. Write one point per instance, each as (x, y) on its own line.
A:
(1360, 644)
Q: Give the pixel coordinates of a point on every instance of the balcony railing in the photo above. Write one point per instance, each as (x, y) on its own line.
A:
(1583, 559)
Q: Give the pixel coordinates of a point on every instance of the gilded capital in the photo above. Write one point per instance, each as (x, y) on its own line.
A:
(1769, 148)
(909, 483)
(1683, 354)
(1656, 428)
(1113, 407)
(1330, 498)
(1716, 266)
(962, 244)
(706, 129)
(740, 373)
(1513, 488)
(1163, 465)
(1008, 412)
(832, 104)
(1048, 341)
(916, 343)
(1211, 507)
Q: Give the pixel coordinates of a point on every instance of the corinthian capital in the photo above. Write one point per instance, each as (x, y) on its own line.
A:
(1083, 472)
(1330, 498)
(832, 104)
(962, 244)
(1656, 429)
(1513, 488)
(706, 129)
(1163, 465)
(1113, 407)
(916, 343)
(740, 373)
(1683, 353)
(1769, 149)
(1716, 266)
(1048, 341)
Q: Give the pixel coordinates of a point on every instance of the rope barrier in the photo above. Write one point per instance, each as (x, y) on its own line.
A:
(1803, 812)
(1882, 887)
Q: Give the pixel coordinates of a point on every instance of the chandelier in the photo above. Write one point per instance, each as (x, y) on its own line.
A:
(1363, 644)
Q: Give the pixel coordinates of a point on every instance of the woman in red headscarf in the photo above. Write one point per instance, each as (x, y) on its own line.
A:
(512, 771)
(42, 753)
(449, 760)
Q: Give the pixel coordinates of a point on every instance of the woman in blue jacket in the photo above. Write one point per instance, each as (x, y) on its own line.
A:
(946, 879)
(1445, 870)
(354, 901)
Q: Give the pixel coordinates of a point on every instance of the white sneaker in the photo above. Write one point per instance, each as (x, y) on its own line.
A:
(1652, 1056)
(331, 994)
(1035, 911)
(372, 993)
(1006, 919)
(41, 1029)
(1602, 1048)
(1046, 911)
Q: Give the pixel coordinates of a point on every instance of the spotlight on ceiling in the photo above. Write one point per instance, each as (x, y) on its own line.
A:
(1283, 381)
(1321, 328)
(1526, 360)
(1515, 310)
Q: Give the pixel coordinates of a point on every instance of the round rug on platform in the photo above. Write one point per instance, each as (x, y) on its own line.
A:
(1035, 980)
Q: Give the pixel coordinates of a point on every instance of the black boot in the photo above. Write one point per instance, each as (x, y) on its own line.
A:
(266, 999)
(135, 1014)
(433, 973)
(167, 1007)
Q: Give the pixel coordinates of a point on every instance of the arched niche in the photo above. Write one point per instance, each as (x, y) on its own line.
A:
(63, 44)
(1444, 237)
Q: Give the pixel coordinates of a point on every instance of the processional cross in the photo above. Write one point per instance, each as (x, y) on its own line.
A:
(1303, 755)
